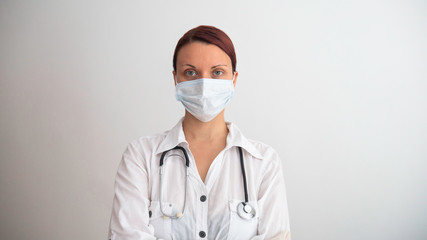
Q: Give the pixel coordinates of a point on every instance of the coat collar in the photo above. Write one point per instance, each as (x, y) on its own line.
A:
(175, 137)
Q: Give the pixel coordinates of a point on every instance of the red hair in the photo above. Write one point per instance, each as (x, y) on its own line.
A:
(210, 35)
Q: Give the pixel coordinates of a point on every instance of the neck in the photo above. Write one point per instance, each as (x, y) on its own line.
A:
(196, 130)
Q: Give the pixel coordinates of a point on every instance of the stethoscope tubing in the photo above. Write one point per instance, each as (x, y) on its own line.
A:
(242, 165)
(244, 210)
(187, 164)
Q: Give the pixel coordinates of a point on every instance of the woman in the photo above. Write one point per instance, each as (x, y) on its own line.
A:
(216, 184)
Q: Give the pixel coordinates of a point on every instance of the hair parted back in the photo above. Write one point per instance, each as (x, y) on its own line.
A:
(210, 35)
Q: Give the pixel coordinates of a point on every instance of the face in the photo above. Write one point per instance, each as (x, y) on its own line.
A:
(201, 60)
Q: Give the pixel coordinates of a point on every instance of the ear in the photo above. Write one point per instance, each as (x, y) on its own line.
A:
(174, 77)
(236, 74)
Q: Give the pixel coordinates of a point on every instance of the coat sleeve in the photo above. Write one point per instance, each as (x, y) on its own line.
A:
(129, 217)
(274, 218)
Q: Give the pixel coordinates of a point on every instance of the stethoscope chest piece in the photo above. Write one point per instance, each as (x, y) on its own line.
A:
(245, 211)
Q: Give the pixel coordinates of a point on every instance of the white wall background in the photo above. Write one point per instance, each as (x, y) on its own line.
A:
(337, 87)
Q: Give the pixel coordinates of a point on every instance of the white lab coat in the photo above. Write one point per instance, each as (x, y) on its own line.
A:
(137, 192)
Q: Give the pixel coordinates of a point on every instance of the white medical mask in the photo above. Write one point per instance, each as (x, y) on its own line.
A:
(204, 98)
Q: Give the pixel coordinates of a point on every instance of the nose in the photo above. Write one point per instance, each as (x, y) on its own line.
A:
(205, 74)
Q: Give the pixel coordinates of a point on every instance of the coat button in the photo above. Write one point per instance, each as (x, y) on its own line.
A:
(203, 198)
(202, 234)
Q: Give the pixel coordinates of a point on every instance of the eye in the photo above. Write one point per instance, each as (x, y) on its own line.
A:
(190, 73)
(218, 72)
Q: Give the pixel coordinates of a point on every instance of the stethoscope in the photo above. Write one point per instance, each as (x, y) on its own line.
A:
(244, 209)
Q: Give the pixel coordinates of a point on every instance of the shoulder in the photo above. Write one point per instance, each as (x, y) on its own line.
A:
(267, 152)
(139, 152)
(147, 144)
(257, 149)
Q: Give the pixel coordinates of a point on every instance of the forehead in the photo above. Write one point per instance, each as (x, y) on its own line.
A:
(199, 53)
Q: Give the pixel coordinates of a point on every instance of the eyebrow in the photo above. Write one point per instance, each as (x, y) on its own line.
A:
(188, 65)
(211, 67)
(219, 65)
